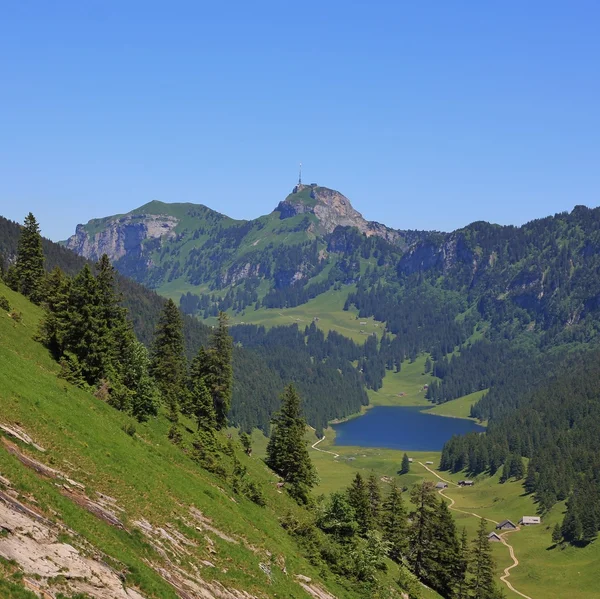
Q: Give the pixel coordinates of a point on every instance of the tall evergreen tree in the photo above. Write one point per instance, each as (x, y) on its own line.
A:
(287, 453)
(29, 268)
(168, 364)
(86, 338)
(220, 375)
(374, 500)
(481, 567)
(461, 590)
(358, 498)
(405, 468)
(394, 523)
(446, 553)
(422, 530)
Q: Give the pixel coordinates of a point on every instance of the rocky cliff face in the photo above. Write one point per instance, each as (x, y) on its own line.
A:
(121, 236)
(333, 210)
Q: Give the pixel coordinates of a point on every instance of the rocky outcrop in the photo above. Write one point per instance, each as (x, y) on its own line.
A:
(333, 210)
(121, 235)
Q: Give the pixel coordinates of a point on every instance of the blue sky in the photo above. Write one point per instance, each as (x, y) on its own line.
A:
(426, 115)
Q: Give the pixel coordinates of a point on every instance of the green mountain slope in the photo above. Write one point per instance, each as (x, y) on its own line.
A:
(115, 513)
(284, 257)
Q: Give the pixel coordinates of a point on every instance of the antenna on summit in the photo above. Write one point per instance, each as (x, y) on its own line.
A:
(300, 175)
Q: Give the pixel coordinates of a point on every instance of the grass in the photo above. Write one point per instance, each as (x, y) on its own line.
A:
(458, 408)
(149, 477)
(328, 308)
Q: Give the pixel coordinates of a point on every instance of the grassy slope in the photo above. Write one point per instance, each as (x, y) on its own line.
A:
(327, 307)
(149, 476)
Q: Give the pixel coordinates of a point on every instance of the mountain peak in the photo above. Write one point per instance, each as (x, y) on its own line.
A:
(332, 208)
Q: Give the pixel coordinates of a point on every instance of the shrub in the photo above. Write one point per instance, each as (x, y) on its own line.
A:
(4, 305)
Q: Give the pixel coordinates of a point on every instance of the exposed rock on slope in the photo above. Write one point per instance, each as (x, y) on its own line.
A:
(333, 210)
(121, 235)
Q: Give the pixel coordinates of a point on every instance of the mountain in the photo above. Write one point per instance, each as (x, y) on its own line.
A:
(179, 248)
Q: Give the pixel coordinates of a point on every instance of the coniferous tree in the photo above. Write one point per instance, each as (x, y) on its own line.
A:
(358, 498)
(556, 534)
(220, 373)
(481, 567)
(394, 523)
(54, 325)
(461, 590)
(203, 407)
(374, 500)
(287, 454)
(405, 468)
(86, 338)
(168, 365)
(422, 530)
(29, 268)
(443, 576)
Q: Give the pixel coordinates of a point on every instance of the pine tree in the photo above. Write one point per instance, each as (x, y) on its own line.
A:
(394, 523)
(443, 575)
(481, 567)
(54, 325)
(120, 336)
(422, 529)
(374, 500)
(168, 364)
(461, 588)
(220, 376)
(358, 498)
(287, 454)
(29, 268)
(86, 337)
(405, 468)
(556, 534)
(203, 407)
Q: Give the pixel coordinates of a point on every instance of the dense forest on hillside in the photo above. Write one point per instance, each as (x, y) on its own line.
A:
(546, 410)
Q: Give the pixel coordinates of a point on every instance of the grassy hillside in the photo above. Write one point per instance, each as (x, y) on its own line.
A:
(234, 543)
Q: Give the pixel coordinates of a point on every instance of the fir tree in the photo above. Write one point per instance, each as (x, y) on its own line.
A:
(405, 468)
(287, 454)
(461, 588)
(358, 498)
(443, 576)
(556, 534)
(220, 375)
(168, 365)
(481, 567)
(86, 336)
(394, 523)
(29, 268)
(374, 500)
(53, 327)
(202, 406)
(422, 530)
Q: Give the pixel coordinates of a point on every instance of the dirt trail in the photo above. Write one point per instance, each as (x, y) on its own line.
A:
(505, 576)
(314, 446)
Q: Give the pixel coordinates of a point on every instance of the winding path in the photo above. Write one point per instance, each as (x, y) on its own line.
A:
(314, 446)
(505, 576)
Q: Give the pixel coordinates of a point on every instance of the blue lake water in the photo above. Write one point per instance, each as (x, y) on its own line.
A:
(396, 427)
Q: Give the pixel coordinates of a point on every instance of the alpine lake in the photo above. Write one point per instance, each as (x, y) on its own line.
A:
(401, 427)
